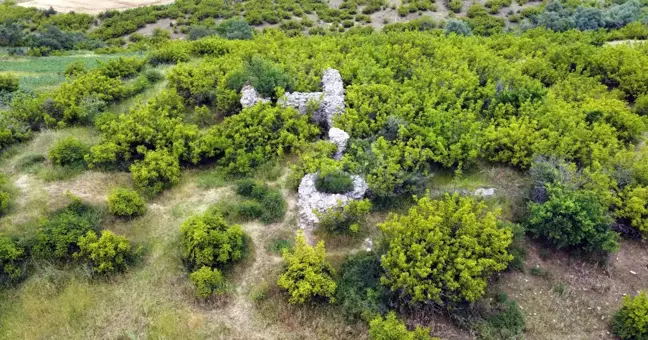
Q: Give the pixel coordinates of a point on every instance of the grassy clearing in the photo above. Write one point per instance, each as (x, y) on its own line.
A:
(40, 73)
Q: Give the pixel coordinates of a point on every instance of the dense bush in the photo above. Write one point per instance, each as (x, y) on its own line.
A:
(263, 75)
(158, 171)
(390, 328)
(207, 240)
(69, 152)
(336, 182)
(269, 200)
(631, 321)
(57, 238)
(306, 274)
(125, 203)
(501, 318)
(443, 251)
(359, 290)
(458, 27)
(344, 217)
(234, 29)
(572, 219)
(107, 254)
(12, 257)
(8, 83)
(208, 282)
(5, 202)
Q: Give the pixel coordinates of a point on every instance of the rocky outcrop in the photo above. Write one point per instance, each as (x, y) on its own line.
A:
(300, 100)
(310, 200)
(484, 192)
(340, 138)
(250, 96)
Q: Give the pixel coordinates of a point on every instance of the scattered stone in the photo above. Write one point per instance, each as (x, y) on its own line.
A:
(368, 244)
(299, 100)
(310, 200)
(340, 138)
(484, 192)
(633, 272)
(250, 96)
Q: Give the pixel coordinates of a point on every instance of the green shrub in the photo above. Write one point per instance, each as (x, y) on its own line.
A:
(126, 203)
(8, 83)
(169, 54)
(207, 240)
(306, 274)
(158, 171)
(208, 282)
(641, 105)
(5, 202)
(390, 328)
(57, 238)
(359, 290)
(458, 27)
(69, 152)
(634, 208)
(263, 75)
(249, 210)
(429, 248)
(631, 321)
(153, 76)
(271, 201)
(12, 257)
(502, 319)
(234, 29)
(573, 219)
(107, 254)
(75, 68)
(122, 67)
(345, 217)
(336, 182)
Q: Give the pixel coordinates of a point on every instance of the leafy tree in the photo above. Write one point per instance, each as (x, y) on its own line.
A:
(208, 282)
(12, 257)
(458, 27)
(69, 152)
(125, 203)
(573, 219)
(107, 254)
(158, 171)
(207, 240)
(631, 321)
(390, 328)
(443, 251)
(306, 273)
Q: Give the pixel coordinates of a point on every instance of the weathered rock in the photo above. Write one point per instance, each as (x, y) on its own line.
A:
(299, 100)
(250, 96)
(310, 200)
(333, 102)
(484, 192)
(340, 138)
(368, 244)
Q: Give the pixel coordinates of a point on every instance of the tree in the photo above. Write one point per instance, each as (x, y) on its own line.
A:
(588, 18)
(108, 254)
(306, 273)
(631, 321)
(390, 328)
(573, 219)
(207, 240)
(443, 251)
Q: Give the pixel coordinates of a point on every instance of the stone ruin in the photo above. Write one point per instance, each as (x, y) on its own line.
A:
(329, 102)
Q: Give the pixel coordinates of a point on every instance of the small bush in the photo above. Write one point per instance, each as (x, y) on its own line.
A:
(69, 152)
(249, 210)
(234, 29)
(390, 328)
(9, 83)
(153, 76)
(306, 273)
(502, 319)
(359, 290)
(271, 200)
(336, 182)
(458, 27)
(125, 203)
(631, 321)
(208, 282)
(108, 254)
(158, 171)
(75, 69)
(12, 257)
(345, 217)
(207, 240)
(58, 237)
(263, 75)
(5, 202)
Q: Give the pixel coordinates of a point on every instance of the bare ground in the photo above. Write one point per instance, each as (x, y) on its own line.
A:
(91, 7)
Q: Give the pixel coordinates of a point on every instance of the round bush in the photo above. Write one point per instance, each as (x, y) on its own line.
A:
(631, 321)
(69, 152)
(8, 83)
(126, 203)
(107, 254)
(334, 183)
(208, 282)
(159, 170)
(234, 29)
(459, 27)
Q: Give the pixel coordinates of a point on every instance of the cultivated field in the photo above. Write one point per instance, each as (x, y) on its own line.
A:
(91, 7)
